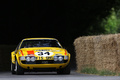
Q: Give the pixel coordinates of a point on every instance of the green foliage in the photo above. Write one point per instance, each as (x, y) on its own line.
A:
(118, 21)
(90, 70)
(110, 23)
(107, 25)
(85, 17)
(107, 73)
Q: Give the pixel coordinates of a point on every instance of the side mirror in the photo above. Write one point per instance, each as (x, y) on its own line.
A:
(15, 51)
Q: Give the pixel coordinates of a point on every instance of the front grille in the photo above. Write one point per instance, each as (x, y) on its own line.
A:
(44, 62)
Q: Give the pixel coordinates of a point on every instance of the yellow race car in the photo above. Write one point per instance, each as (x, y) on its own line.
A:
(40, 54)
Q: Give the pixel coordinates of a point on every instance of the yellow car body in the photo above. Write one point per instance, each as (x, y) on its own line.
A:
(47, 57)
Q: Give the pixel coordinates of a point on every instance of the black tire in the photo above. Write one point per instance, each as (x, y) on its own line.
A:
(65, 70)
(19, 69)
(13, 68)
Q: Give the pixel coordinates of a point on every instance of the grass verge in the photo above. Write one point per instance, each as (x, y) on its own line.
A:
(88, 70)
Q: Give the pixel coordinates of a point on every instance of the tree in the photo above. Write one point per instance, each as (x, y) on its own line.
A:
(110, 23)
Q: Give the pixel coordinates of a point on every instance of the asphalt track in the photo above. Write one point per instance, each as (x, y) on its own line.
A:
(54, 76)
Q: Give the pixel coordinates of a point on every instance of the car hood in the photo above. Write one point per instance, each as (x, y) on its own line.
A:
(44, 51)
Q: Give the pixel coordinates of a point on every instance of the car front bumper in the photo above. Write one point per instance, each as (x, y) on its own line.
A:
(50, 65)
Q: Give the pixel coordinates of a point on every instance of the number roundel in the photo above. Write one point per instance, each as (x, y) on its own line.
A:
(44, 53)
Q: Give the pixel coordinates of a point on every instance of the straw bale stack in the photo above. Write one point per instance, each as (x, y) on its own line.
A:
(97, 50)
(80, 50)
(84, 47)
(106, 56)
(118, 52)
(101, 52)
(89, 51)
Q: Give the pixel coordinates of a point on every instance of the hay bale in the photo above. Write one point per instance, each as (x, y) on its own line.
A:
(84, 48)
(89, 51)
(118, 52)
(97, 50)
(110, 53)
(80, 53)
(106, 50)
(102, 52)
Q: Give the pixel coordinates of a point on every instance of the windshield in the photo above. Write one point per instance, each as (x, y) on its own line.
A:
(40, 43)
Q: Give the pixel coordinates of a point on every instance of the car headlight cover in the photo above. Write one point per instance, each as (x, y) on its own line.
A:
(60, 58)
(28, 59)
(32, 59)
(22, 58)
(66, 57)
(55, 58)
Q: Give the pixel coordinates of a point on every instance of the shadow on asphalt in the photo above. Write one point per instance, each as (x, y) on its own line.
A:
(40, 73)
(48, 73)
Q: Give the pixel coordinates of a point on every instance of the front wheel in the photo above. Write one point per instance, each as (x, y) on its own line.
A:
(12, 68)
(65, 70)
(19, 70)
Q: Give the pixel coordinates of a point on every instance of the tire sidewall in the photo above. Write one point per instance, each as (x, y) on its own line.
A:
(19, 69)
(13, 68)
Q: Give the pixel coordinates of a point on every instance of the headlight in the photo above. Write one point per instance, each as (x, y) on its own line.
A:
(22, 58)
(60, 58)
(30, 59)
(66, 57)
(55, 58)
